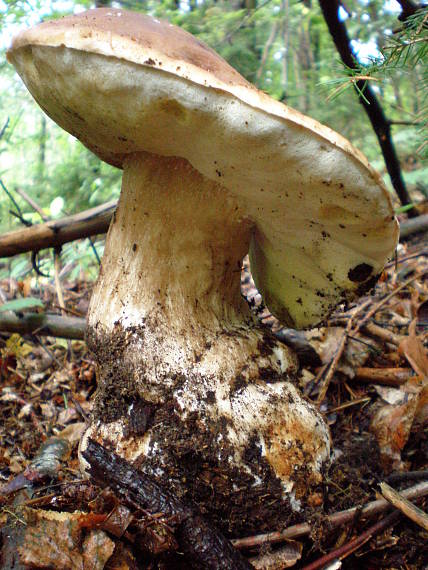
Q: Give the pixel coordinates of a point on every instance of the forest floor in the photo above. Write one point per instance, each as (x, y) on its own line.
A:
(372, 388)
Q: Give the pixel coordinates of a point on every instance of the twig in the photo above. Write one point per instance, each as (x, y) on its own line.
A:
(377, 331)
(423, 252)
(250, 14)
(383, 301)
(32, 203)
(406, 507)
(57, 232)
(348, 405)
(4, 128)
(324, 379)
(204, 545)
(266, 49)
(334, 520)
(385, 376)
(18, 212)
(350, 547)
(408, 476)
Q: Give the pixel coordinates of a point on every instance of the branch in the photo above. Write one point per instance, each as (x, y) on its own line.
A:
(404, 505)
(369, 101)
(204, 545)
(413, 226)
(58, 232)
(32, 203)
(44, 325)
(347, 549)
(96, 221)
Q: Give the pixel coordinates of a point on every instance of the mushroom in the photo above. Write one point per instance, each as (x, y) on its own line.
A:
(188, 382)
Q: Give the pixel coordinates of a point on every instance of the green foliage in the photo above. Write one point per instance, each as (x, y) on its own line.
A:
(282, 46)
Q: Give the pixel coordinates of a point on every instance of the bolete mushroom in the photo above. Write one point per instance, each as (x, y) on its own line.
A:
(213, 168)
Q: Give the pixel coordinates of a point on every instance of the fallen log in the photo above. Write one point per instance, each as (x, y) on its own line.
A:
(43, 324)
(96, 221)
(58, 232)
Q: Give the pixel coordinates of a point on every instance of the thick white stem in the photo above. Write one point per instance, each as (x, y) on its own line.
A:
(176, 346)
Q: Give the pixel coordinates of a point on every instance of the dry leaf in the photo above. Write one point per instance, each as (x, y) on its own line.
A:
(413, 349)
(97, 549)
(56, 540)
(284, 557)
(391, 425)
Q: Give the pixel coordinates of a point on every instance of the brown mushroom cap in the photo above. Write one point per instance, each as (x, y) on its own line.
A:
(123, 82)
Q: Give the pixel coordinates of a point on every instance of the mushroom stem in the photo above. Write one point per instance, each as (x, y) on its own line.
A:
(170, 282)
(186, 379)
(179, 239)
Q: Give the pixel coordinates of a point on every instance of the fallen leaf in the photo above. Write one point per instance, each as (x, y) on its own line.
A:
(391, 425)
(413, 349)
(285, 557)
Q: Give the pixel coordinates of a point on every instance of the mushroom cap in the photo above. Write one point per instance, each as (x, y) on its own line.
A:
(123, 82)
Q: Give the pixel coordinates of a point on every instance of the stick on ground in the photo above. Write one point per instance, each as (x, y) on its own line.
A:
(405, 506)
(204, 546)
(43, 325)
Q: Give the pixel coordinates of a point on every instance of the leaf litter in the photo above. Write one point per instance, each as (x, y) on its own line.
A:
(366, 369)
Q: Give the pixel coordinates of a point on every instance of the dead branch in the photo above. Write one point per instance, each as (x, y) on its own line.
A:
(32, 203)
(377, 331)
(204, 545)
(326, 373)
(96, 221)
(58, 232)
(353, 545)
(404, 505)
(414, 226)
(44, 325)
(386, 376)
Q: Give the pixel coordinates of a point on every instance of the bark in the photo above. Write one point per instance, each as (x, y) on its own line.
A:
(204, 546)
(371, 105)
(58, 232)
(385, 376)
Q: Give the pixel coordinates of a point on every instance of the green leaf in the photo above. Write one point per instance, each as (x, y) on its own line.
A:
(21, 304)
